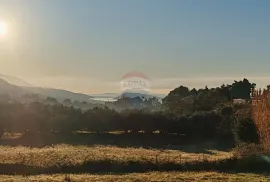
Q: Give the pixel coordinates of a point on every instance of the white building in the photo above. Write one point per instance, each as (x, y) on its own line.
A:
(239, 101)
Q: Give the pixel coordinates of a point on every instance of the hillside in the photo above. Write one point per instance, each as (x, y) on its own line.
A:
(16, 86)
(14, 81)
(59, 94)
(10, 89)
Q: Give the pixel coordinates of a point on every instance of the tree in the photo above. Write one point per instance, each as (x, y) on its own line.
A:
(174, 100)
(225, 90)
(242, 89)
(67, 102)
(193, 91)
(50, 101)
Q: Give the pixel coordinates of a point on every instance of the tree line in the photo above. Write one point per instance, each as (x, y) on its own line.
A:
(38, 117)
(185, 100)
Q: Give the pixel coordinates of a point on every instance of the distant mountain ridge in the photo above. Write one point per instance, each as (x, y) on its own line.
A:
(14, 81)
(12, 90)
(16, 87)
(59, 94)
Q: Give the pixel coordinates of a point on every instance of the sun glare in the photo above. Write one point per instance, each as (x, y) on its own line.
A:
(3, 28)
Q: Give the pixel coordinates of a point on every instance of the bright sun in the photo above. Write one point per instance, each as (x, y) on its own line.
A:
(3, 28)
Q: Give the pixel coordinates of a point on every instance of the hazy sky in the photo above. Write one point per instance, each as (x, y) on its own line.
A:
(88, 45)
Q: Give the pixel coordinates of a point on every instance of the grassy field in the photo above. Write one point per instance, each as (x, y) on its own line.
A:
(67, 162)
(144, 177)
(78, 155)
(65, 158)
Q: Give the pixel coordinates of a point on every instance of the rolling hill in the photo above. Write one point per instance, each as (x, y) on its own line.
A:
(59, 94)
(17, 87)
(14, 81)
(12, 90)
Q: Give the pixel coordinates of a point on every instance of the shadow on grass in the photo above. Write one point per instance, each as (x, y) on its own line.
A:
(154, 141)
(232, 165)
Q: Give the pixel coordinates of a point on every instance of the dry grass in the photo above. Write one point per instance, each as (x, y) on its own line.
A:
(77, 155)
(261, 116)
(151, 176)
